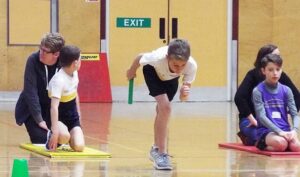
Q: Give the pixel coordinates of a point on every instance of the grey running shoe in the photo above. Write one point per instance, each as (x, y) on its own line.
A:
(153, 153)
(49, 133)
(162, 162)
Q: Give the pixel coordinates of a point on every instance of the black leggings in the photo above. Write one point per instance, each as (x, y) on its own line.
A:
(37, 134)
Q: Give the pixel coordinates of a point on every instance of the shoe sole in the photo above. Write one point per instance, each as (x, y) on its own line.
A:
(48, 139)
(161, 168)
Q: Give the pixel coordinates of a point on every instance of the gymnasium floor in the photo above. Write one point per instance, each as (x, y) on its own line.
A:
(126, 131)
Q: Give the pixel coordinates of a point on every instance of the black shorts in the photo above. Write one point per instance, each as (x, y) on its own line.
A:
(261, 143)
(158, 87)
(71, 123)
(68, 114)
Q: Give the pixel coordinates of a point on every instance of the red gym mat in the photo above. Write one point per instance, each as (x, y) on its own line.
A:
(253, 149)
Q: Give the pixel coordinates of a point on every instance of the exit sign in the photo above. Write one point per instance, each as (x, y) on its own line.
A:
(134, 22)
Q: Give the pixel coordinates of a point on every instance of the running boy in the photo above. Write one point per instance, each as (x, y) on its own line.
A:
(272, 101)
(162, 69)
(65, 111)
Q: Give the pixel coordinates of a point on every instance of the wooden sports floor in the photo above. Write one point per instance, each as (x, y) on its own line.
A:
(126, 131)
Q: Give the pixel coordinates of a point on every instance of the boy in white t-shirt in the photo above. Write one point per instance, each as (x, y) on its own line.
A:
(65, 110)
(162, 69)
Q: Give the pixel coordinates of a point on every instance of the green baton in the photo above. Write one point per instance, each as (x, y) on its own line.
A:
(130, 91)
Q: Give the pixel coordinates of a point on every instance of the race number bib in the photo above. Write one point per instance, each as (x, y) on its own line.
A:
(276, 115)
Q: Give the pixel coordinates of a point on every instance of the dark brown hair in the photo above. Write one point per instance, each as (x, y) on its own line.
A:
(273, 58)
(68, 54)
(265, 50)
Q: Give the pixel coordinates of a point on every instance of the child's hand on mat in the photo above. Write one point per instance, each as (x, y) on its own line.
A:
(53, 140)
(131, 74)
(184, 92)
(43, 125)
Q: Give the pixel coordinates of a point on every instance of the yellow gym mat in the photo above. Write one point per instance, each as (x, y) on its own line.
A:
(65, 151)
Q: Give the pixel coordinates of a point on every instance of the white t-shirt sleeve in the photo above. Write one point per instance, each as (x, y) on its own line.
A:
(56, 87)
(189, 73)
(152, 57)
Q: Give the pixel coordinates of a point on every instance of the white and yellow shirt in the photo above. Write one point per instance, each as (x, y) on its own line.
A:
(158, 60)
(63, 86)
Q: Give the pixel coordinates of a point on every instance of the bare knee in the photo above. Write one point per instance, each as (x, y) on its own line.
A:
(64, 137)
(64, 134)
(78, 147)
(77, 139)
(294, 147)
(280, 144)
(165, 108)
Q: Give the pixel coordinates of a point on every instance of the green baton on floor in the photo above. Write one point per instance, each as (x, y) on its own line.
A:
(130, 91)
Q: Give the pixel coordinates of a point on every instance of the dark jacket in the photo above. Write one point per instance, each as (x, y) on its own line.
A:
(243, 96)
(34, 101)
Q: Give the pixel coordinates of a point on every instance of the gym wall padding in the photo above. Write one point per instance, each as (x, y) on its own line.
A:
(94, 82)
(269, 21)
(255, 30)
(286, 31)
(79, 22)
(13, 57)
(28, 21)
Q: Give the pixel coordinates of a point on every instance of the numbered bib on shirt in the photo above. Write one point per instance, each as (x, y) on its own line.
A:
(276, 115)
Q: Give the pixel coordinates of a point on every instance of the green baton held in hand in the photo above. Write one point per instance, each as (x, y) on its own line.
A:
(130, 91)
